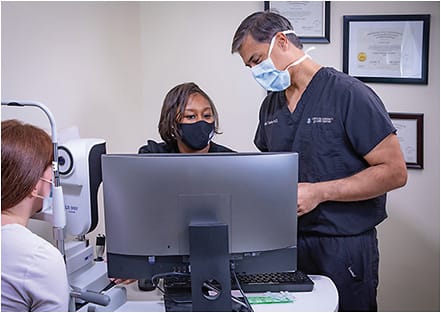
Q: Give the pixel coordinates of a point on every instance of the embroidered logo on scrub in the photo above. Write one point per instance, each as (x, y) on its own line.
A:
(274, 121)
(323, 120)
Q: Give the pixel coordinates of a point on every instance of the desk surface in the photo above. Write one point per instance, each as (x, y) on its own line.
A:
(323, 297)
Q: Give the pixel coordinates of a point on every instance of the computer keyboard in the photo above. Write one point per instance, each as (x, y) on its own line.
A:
(282, 281)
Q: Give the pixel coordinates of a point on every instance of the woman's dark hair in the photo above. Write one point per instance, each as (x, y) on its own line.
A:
(173, 109)
(262, 26)
(27, 151)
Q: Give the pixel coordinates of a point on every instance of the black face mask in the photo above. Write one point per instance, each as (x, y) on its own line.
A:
(197, 135)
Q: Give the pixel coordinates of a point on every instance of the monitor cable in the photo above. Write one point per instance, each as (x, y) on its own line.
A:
(155, 282)
(157, 277)
(247, 304)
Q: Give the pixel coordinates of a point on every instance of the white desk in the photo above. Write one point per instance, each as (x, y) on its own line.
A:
(323, 297)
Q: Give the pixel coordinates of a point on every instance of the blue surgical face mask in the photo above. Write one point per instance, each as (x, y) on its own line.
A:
(47, 200)
(271, 78)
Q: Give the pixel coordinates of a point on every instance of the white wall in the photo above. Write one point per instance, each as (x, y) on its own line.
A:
(191, 41)
(80, 59)
(106, 67)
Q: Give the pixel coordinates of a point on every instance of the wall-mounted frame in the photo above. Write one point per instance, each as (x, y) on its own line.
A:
(309, 19)
(410, 134)
(386, 48)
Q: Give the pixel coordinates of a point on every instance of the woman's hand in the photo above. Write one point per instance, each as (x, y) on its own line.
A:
(125, 281)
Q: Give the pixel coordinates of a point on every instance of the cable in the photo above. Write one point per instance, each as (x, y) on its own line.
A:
(155, 282)
(217, 290)
(248, 305)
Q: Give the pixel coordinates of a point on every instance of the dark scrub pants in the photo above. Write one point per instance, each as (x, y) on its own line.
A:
(350, 261)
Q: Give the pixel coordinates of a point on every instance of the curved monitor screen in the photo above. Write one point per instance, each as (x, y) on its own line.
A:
(151, 199)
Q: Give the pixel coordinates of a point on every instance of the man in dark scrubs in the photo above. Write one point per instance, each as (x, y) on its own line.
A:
(349, 154)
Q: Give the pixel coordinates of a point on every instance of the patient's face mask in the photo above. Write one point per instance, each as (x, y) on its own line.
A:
(197, 135)
(271, 78)
(47, 200)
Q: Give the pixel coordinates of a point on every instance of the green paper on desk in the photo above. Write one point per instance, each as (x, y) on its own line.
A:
(269, 299)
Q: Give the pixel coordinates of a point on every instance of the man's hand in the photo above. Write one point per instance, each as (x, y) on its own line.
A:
(387, 171)
(308, 198)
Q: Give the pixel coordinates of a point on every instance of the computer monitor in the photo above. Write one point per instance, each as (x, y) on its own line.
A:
(151, 199)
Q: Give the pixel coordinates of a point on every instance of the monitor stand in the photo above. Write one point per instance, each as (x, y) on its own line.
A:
(210, 267)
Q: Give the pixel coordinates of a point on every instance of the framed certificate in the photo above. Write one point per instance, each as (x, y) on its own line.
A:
(410, 134)
(386, 48)
(309, 19)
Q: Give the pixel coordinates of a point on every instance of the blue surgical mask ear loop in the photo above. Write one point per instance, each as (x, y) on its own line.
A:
(302, 58)
(298, 61)
(273, 40)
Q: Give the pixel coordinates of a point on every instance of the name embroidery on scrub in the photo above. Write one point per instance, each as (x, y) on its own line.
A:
(274, 121)
(323, 120)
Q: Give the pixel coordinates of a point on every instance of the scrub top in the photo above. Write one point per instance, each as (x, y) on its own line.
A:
(337, 121)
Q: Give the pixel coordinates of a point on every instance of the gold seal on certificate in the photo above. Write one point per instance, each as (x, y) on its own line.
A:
(362, 56)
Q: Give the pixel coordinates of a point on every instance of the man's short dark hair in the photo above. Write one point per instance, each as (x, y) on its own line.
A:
(262, 26)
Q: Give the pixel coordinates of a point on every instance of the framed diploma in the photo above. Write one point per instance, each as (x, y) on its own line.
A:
(309, 19)
(386, 48)
(410, 134)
